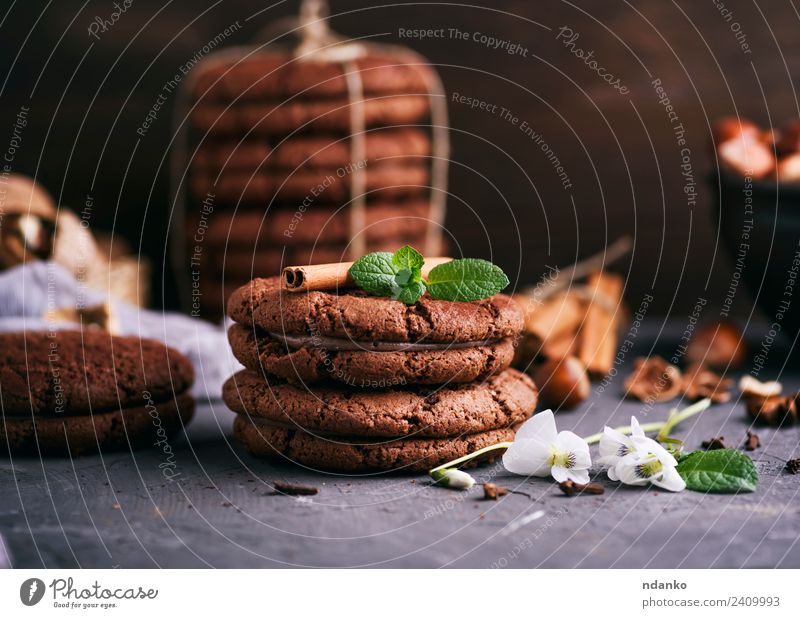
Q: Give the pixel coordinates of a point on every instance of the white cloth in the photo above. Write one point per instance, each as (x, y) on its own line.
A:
(29, 290)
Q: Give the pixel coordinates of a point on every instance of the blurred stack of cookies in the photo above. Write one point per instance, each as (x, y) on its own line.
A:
(311, 159)
(356, 383)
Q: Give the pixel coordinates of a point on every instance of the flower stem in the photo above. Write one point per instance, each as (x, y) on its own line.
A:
(664, 428)
(676, 417)
(465, 458)
(647, 427)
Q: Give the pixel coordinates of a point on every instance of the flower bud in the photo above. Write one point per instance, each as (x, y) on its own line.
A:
(455, 479)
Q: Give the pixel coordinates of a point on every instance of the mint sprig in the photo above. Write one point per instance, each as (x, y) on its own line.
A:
(465, 280)
(375, 273)
(721, 471)
(399, 276)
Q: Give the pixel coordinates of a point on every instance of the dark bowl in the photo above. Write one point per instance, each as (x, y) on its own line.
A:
(762, 237)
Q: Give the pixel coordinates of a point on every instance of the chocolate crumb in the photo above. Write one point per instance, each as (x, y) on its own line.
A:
(752, 442)
(226, 503)
(493, 492)
(793, 466)
(714, 444)
(292, 489)
(570, 488)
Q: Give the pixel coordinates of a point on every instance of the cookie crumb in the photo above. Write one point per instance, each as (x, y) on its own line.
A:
(793, 466)
(493, 492)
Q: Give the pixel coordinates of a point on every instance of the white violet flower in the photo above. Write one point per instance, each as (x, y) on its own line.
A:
(455, 479)
(614, 445)
(639, 460)
(539, 450)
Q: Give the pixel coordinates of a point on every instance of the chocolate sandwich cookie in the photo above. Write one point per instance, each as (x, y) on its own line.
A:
(503, 400)
(262, 76)
(355, 316)
(317, 223)
(382, 181)
(271, 119)
(401, 145)
(84, 390)
(343, 455)
(309, 359)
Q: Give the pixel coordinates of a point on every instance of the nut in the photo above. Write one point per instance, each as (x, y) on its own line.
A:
(752, 388)
(700, 382)
(746, 156)
(718, 345)
(775, 410)
(788, 168)
(563, 382)
(653, 379)
(731, 127)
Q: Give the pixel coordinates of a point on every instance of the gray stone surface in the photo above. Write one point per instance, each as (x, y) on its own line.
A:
(61, 513)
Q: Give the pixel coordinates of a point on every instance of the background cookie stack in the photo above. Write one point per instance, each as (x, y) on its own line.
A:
(354, 383)
(314, 154)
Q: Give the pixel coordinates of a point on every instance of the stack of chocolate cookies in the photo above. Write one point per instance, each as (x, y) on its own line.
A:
(353, 383)
(280, 160)
(71, 392)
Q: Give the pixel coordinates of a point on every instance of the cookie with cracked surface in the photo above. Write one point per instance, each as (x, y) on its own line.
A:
(275, 118)
(501, 401)
(355, 316)
(401, 145)
(319, 223)
(74, 372)
(307, 361)
(384, 181)
(114, 430)
(259, 76)
(403, 455)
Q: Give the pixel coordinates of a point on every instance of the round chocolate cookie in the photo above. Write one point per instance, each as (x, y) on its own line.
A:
(383, 181)
(270, 119)
(501, 401)
(259, 76)
(70, 434)
(308, 361)
(404, 455)
(317, 223)
(89, 371)
(355, 316)
(401, 145)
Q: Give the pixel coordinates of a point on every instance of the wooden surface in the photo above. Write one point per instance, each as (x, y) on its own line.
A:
(217, 513)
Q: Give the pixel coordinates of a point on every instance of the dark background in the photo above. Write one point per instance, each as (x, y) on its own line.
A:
(87, 97)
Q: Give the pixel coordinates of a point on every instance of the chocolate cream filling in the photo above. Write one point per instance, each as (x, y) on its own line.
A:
(336, 344)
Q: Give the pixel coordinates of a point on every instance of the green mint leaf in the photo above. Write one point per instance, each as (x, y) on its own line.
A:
(722, 471)
(465, 280)
(408, 259)
(375, 274)
(411, 293)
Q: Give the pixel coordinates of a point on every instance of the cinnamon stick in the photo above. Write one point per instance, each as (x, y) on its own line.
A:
(598, 340)
(332, 276)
